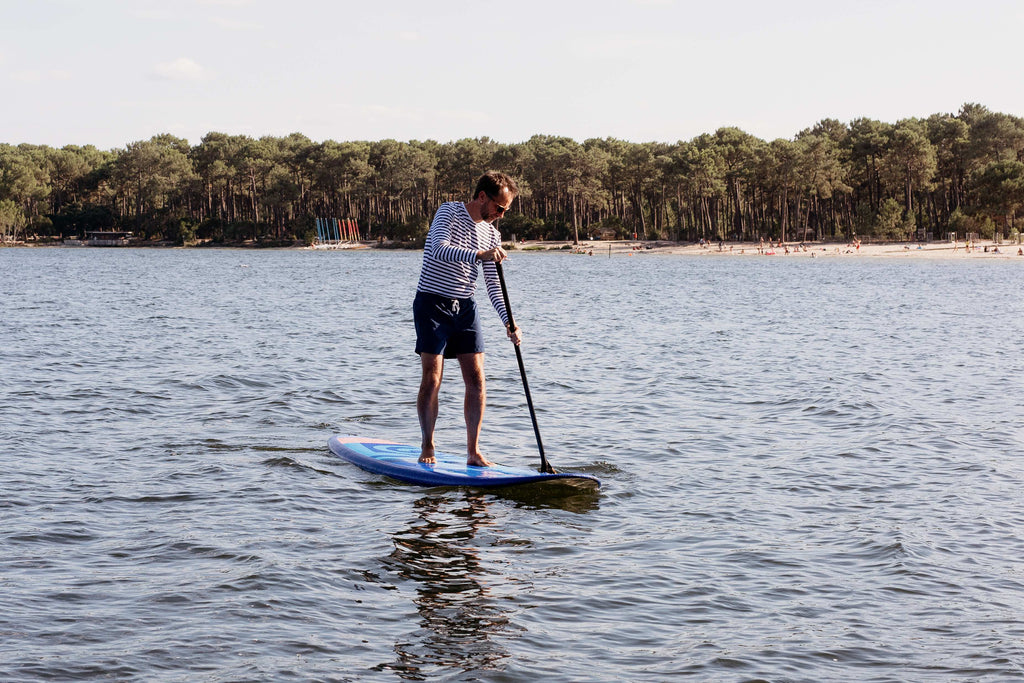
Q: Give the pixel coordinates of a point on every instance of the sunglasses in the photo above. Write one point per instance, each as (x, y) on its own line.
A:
(501, 209)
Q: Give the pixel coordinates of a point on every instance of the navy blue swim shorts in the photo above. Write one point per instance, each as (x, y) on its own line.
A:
(446, 326)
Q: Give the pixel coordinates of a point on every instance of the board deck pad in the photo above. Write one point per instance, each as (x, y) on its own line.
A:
(401, 461)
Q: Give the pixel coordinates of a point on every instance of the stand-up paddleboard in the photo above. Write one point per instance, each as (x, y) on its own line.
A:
(400, 461)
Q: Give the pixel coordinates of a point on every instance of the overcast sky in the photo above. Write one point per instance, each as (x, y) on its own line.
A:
(109, 72)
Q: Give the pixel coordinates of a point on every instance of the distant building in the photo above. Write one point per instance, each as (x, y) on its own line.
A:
(108, 238)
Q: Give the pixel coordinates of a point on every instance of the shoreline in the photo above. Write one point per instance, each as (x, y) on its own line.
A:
(987, 250)
(898, 250)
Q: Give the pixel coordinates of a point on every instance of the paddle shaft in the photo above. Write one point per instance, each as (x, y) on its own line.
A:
(545, 466)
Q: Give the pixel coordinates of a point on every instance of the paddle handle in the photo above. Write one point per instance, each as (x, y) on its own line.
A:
(545, 466)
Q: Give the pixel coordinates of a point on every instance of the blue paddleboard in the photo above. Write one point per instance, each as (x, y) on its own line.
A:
(400, 461)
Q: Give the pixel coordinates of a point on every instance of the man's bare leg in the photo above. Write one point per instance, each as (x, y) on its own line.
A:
(472, 365)
(427, 402)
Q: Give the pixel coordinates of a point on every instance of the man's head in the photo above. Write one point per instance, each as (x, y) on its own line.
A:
(496, 192)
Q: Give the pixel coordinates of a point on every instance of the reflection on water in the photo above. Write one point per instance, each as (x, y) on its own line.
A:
(552, 495)
(461, 595)
(460, 620)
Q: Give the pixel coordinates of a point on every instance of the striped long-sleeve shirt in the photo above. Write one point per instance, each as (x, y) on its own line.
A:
(449, 257)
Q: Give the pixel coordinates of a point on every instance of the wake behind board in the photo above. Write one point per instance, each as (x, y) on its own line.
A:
(400, 461)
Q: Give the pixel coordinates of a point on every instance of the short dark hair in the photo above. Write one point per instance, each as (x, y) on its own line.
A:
(493, 182)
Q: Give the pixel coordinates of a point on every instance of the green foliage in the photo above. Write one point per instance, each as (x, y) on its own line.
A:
(864, 222)
(999, 190)
(304, 229)
(889, 220)
(74, 220)
(154, 172)
(12, 219)
(987, 228)
(41, 225)
(307, 235)
(891, 223)
(211, 229)
(186, 233)
(522, 226)
(867, 177)
(410, 231)
(961, 224)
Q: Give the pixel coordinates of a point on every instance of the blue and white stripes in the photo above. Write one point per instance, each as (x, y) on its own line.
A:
(449, 257)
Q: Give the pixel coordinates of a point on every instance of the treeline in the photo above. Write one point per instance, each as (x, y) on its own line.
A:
(867, 178)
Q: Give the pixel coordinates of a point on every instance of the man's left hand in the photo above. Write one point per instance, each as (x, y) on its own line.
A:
(515, 335)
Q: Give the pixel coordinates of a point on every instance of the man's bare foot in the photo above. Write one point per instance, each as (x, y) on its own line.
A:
(427, 456)
(478, 460)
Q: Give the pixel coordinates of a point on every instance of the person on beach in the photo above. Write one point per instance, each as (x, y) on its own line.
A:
(444, 312)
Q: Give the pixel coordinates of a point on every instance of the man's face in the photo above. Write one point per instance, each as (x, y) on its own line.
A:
(496, 206)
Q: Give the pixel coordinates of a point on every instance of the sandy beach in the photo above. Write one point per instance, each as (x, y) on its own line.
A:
(903, 250)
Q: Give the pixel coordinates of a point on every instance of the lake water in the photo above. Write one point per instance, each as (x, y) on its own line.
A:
(812, 471)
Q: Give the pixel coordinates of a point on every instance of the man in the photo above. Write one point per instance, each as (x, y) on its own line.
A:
(445, 313)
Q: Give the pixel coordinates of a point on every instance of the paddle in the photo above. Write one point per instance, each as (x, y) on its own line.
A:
(545, 466)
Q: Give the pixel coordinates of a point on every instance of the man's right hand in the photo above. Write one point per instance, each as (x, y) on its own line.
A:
(497, 254)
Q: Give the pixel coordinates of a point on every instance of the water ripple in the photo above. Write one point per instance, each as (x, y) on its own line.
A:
(810, 473)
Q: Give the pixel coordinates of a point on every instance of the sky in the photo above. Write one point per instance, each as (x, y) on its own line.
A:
(111, 72)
